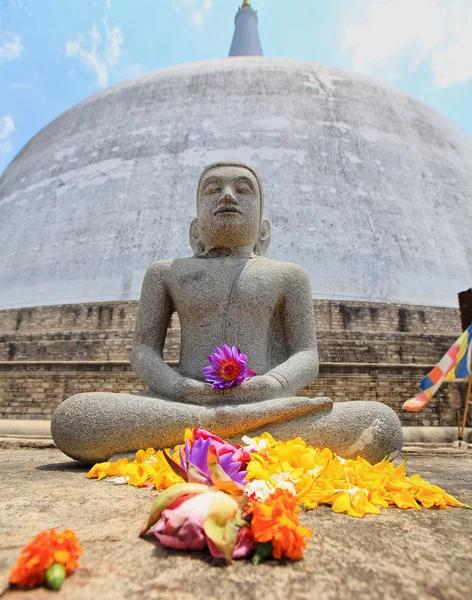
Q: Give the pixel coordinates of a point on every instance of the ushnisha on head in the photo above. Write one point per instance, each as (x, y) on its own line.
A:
(230, 204)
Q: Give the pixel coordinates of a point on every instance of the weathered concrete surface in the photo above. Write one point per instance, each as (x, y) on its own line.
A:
(401, 554)
(368, 189)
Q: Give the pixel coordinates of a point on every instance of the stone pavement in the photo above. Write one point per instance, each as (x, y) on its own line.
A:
(398, 555)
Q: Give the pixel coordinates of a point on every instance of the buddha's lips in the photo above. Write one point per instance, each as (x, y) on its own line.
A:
(227, 210)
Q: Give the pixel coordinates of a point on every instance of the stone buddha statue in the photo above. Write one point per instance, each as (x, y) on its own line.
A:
(226, 293)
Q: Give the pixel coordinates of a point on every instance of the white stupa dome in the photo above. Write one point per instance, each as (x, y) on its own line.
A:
(367, 188)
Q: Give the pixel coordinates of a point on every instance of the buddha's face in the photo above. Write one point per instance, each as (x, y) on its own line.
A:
(229, 207)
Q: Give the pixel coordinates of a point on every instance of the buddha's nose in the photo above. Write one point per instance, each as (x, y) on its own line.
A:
(227, 197)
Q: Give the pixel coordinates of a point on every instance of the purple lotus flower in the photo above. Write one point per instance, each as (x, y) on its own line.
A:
(197, 455)
(228, 368)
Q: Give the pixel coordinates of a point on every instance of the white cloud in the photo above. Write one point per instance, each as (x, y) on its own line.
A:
(398, 37)
(197, 10)
(7, 127)
(453, 64)
(98, 53)
(10, 46)
(108, 4)
(197, 18)
(20, 85)
(113, 49)
(20, 4)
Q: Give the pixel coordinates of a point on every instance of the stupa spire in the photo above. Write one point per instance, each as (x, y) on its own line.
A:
(246, 40)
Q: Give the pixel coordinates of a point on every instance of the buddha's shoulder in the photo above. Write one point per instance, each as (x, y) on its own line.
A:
(290, 271)
(170, 267)
(159, 268)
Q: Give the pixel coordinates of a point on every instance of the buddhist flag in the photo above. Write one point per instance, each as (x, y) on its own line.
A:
(453, 365)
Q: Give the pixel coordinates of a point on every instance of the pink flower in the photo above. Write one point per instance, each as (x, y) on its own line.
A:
(244, 546)
(193, 522)
(228, 368)
(181, 525)
(222, 447)
(207, 510)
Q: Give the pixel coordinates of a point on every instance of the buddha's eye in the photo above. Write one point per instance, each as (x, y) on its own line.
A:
(212, 188)
(243, 188)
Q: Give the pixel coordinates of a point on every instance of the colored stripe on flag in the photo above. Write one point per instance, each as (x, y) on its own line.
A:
(453, 365)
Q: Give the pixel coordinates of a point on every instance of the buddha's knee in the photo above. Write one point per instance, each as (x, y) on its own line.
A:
(79, 424)
(369, 429)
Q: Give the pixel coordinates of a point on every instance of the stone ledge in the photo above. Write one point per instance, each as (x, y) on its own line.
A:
(329, 314)
(325, 367)
(25, 429)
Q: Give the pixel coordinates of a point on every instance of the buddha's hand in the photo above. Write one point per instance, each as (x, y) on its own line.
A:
(193, 391)
(261, 387)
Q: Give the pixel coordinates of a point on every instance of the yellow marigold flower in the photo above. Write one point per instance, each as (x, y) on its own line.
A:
(312, 475)
(354, 502)
(149, 468)
(352, 486)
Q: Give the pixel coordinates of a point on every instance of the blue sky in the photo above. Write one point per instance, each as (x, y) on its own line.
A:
(54, 53)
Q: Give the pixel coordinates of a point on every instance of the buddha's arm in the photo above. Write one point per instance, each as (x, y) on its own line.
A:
(155, 311)
(303, 365)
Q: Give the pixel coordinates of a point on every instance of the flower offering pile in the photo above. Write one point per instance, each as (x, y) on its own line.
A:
(245, 500)
(47, 560)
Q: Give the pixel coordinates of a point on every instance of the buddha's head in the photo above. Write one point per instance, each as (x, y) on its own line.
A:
(230, 204)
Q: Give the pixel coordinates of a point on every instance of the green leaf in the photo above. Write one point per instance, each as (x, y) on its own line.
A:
(263, 552)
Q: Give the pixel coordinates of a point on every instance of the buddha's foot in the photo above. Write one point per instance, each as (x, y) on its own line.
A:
(92, 427)
(350, 429)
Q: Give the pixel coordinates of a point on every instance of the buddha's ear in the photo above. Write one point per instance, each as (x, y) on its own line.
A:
(196, 244)
(263, 240)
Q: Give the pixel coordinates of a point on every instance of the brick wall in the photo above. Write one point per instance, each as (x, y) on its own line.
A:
(368, 351)
(34, 391)
(367, 331)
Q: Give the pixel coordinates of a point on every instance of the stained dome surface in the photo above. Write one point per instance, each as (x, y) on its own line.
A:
(367, 188)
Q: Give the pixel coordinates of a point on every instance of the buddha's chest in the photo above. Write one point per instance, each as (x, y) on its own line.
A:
(210, 291)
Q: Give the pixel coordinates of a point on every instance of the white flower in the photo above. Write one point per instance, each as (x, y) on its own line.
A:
(287, 485)
(260, 488)
(118, 480)
(280, 477)
(252, 445)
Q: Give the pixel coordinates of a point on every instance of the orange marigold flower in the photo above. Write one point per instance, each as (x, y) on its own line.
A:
(47, 548)
(276, 520)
